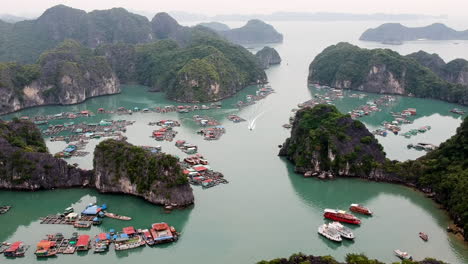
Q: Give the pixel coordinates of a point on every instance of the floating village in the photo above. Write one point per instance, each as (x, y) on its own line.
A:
(125, 239)
(194, 165)
(395, 126)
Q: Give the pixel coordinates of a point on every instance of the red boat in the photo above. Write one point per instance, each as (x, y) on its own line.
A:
(341, 216)
(357, 208)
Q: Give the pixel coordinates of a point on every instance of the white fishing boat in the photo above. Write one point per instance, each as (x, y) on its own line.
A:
(342, 230)
(329, 232)
(402, 254)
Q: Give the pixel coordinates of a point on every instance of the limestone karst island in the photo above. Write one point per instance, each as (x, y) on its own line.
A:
(206, 131)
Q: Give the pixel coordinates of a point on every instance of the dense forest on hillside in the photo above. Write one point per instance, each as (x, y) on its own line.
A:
(381, 70)
(323, 140)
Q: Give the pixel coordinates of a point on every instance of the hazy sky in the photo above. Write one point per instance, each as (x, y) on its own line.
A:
(434, 7)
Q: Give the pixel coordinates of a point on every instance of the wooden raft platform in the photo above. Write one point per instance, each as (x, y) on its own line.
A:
(61, 220)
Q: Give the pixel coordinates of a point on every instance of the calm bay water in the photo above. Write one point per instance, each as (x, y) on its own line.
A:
(266, 210)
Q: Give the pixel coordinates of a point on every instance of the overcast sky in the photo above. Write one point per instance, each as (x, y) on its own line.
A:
(212, 7)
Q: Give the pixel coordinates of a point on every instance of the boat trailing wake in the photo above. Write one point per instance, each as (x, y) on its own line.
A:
(253, 123)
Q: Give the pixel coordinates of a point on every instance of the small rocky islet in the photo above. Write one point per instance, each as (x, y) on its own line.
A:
(267, 57)
(326, 143)
(397, 33)
(254, 32)
(119, 167)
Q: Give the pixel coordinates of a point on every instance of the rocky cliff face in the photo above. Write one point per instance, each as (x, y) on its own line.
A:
(26, 40)
(267, 57)
(455, 71)
(211, 78)
(384, 71)
(255, 31)
(398, 32)
(67, 75)
(120, 167)
(166, 27)
(326, 142)
(26, 165)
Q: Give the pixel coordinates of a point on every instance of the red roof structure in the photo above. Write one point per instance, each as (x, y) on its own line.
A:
(200, 168)
(45, 244)
(102, 236)
(160, 226)
(129, 230)
(14, 246)
(83, 240)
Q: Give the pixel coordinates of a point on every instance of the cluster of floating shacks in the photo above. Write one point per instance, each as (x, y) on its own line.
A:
(126, 239)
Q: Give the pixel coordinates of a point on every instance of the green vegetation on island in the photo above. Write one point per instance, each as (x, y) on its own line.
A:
(206, 69)
(381, 71)
(119, 167)
(324, 141)
(24, 41)
(398, 32)
(267, 57)
(255, 31)
(68, 74)
(98, 50)
(301, 258)
(117, 159)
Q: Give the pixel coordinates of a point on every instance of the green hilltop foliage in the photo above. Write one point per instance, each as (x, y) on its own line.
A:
(18, 138)
(69, 58)
(301, 258)
(167, 66)
(161, 54)
(24, 41)
(443, 171)
(14, 76)
(344, 62)
(23, 135)
(142, 167)
(324, 128)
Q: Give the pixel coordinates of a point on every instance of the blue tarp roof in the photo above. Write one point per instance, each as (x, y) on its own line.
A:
(163, 238)
(92, 210)
(123, 235)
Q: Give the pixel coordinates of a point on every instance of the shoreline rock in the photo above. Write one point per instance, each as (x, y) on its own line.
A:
(326, 143)
(25, 165)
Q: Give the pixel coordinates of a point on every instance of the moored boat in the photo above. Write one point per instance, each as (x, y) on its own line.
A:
(329, 232)
(46, 249)
(68, 210)
(342, 230)
(82, 224)
(119, 217)
(129, 239)
(17, 249)
(147, 237)
(163, 233)
(101, 243)
(4, 246)
(341, 216)
(83, 243)
(357, 208)
(402, 254)
(4, 209)
(423, 236)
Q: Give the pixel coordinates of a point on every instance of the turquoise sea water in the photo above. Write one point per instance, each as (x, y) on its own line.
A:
(266, 210)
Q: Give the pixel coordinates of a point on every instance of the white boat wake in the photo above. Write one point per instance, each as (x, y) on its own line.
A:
(253, 123)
